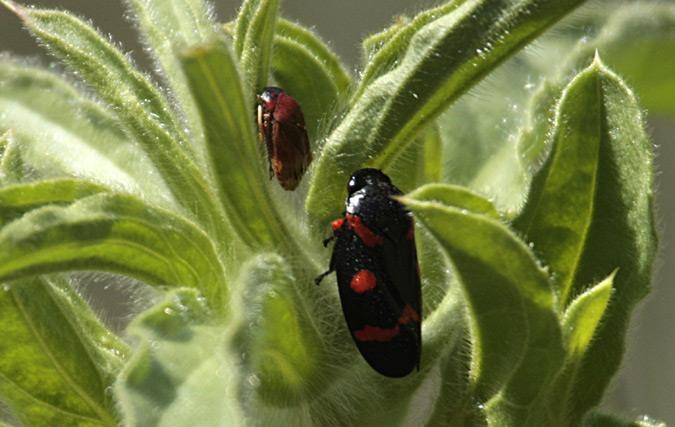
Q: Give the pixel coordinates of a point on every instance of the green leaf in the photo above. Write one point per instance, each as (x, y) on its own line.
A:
(169, 26)
(444, 58)
(319, 50)
(4, 141)
(595, 194)
(385, 49)
(452, 407)
(138, 104)
(294, 352)
(256, 25)
(282, 349)
(534, 138)
(323, 82)
(483, 133)
(375, 42)
(241, 25)
(51, 119)
(444, 326)
(180, 373)
(559, 209)
(98, 62)
(580, 324)
(432, 161)
(116, 233)
(58, 361)
(16, 200)
(517, 343)
(582, 317)
(233, 149)
(12, 167)
(458, 197)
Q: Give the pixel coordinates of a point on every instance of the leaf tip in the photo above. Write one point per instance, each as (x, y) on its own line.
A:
(15, 7)
(406, 200)
(596, 59)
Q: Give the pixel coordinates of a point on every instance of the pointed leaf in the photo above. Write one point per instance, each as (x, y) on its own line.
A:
(582, 317)
(140, 107)
(51, 119)
(169, 26)
(455, 196)
(444, 58)
(256, 26)
(228, 119)
(558, 213)
(517, 343)
(57, 361)
(621, 235)
(385, 49)
(595, 192)
(180, 373)
(631, 42)
(580, 324)
(322, 81)
(98, 62)
(116, 233)
(373, 43)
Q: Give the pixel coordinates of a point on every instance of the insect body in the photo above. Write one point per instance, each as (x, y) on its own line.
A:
(282, 129)
(378, 278)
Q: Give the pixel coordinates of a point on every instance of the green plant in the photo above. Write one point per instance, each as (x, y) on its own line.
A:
(529, 278)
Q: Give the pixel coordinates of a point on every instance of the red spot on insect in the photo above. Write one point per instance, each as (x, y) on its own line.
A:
(411, 231)
(367, 237)
(375, 333)
(337, 224)
(363, 281)
(408, 315)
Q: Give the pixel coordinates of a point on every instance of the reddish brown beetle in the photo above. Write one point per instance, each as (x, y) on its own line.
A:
(282, 129)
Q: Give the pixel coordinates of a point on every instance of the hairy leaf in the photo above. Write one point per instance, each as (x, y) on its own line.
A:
(169, 26)
(40, 106)
(58, 362)
(256, 25)
(517, 342)
(116, 233)
(444, 58)
(180, 373)
(590, 212)
(304, 67)
(16, 200)
(138, 104)
(228, 119)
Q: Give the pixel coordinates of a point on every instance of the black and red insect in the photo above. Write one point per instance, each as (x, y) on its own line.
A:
(377, 274)
(282, 129)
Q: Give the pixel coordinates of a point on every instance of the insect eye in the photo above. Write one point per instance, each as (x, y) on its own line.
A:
(351, 187)
(363, 177)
